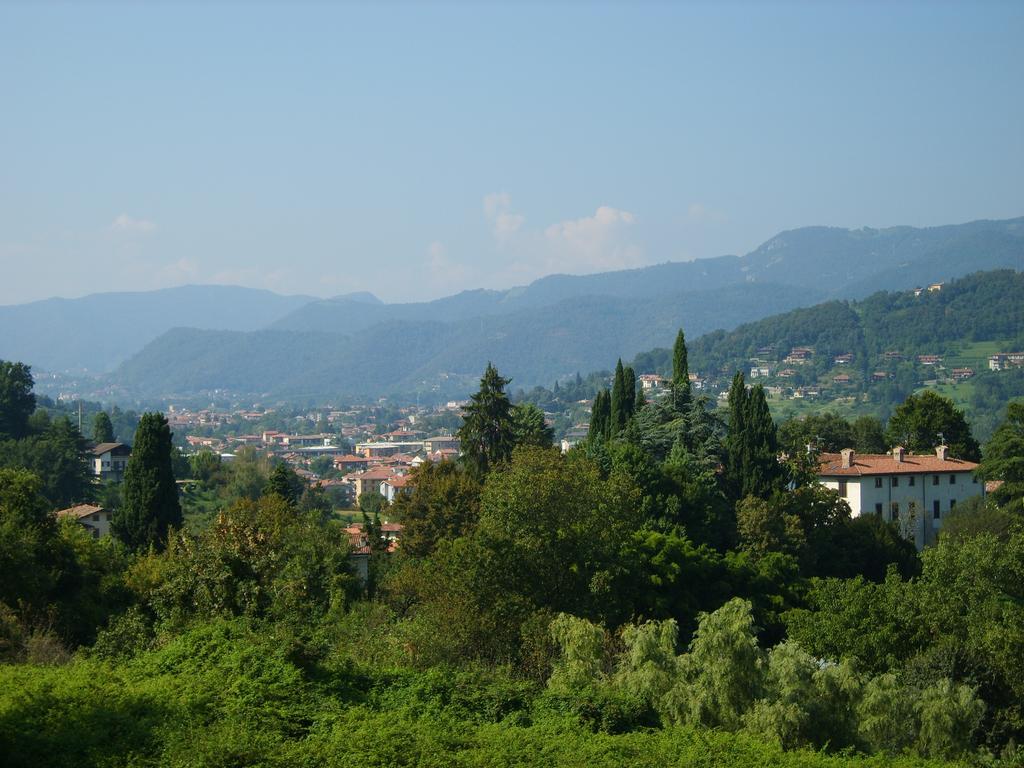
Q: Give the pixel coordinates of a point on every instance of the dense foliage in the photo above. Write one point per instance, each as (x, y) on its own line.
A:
(676, 590)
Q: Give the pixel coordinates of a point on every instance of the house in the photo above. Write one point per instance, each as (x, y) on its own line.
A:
(929, 359)
(916, 492)
(880, 376)
(760, 372)
(959, 374)
(395, 485)
(842, 378)
(350, 462)
(932, 288)
(1005, 360)
(844, 359)
(652, 381)
(371, 479)
(94, 519)
(109, 461)
(787, 373)
(442, 443)
(696, 382)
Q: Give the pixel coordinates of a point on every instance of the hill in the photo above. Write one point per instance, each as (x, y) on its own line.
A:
(404, 356)
(872, 353)
(552, 327)
(831, 262)
(95, 333)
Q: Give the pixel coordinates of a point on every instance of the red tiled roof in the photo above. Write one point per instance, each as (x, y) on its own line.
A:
(831, 465)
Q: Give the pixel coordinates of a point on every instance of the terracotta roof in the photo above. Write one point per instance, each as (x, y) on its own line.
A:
(375, 474)
(80, 510)
(831, 465)
(398, 481)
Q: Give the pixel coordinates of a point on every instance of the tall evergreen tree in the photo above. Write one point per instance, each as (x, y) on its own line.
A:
(681, 393)
(618, 404)
(734, 443)
(487, 432)
(629, 385)
(102, 429)
(150, 507)
(600, 416)
(762, 472)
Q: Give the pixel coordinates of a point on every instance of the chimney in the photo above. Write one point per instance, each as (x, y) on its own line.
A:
(847, 454)
(897, 454)
(942, 452)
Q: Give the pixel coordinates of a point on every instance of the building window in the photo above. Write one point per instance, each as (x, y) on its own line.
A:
(878, 482)
(952, 479)
(911, 481)
(894, 509)
(878, 508)
(952, 503)
(935, 509)
(895, 482)
(935, 479)
(842, 488)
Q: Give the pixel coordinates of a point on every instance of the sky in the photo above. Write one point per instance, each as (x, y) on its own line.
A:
(416, 150)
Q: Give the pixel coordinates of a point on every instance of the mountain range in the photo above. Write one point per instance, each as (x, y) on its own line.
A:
(196, 338)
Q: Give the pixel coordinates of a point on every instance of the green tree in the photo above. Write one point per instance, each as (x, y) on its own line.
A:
(1004, 457)
(681, 390)
(721, 672)
(285, 483)
(27, 531)
(150, 507)
(102, 428)
(922, 420)
(619, 400)
(600, 417)
(487, 431)
(529, 427)
(734, 443)
(868, 435)
(17, 401)
(444, 504)
(629, 390)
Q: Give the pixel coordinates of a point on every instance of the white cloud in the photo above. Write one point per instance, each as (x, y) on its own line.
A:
(125, 223)
(181, 271)
(593, 243)
(498, 211)
(698, 213)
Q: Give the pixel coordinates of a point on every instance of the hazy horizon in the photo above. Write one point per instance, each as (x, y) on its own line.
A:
(415, 152)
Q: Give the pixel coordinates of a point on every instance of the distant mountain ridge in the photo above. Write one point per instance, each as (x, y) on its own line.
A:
(551, 327)
(96, 332)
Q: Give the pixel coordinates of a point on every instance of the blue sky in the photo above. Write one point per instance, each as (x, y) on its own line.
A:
(415, 150)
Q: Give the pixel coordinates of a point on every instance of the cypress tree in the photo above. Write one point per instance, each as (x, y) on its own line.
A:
(150, 507)
(681, 393)
(761, 469)
(600, 416)
(629, 385)
(734, 443)
(618, 404)
(487, 431)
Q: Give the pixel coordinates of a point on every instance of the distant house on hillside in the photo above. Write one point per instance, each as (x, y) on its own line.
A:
(1002, 361)
(652, 381)
(109, 461)
(94, 519)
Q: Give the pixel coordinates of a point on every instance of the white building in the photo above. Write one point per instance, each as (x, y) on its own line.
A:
(93, 518)
(109, 461)
(917, 492)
